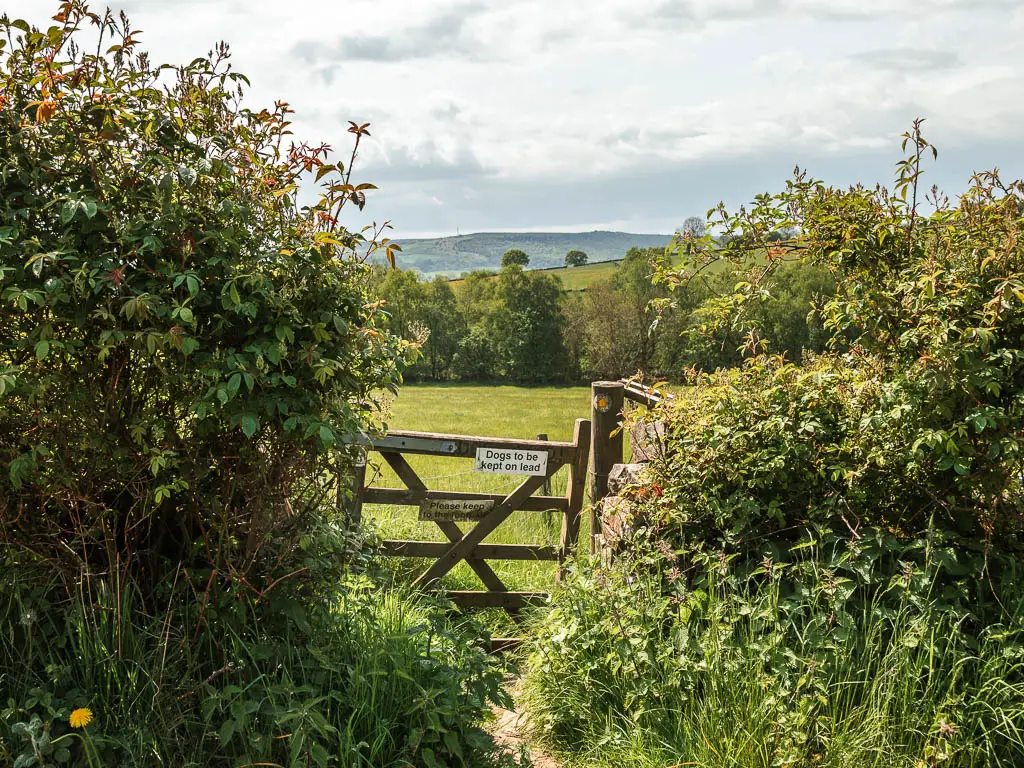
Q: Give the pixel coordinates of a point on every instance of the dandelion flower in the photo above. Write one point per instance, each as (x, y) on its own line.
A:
(80, 717)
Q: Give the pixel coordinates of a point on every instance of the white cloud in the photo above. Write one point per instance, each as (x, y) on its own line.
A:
(534, 113)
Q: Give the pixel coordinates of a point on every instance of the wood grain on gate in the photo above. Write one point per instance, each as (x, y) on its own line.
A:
(469, 545)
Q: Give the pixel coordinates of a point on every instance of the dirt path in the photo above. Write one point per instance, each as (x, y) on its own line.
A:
(509, 730)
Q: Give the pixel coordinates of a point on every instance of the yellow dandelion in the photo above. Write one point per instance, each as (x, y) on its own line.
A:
(80, 717)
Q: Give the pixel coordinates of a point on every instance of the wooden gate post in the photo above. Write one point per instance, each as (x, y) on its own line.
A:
(606, 448)
(543, 436)
(355, 515)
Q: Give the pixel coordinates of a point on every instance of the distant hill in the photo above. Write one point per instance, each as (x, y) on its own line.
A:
(463, 253)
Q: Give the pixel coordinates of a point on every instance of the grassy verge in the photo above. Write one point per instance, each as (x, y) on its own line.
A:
(814, 660)
(368, 678)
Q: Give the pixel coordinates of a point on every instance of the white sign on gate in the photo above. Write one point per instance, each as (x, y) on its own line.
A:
(506, 461)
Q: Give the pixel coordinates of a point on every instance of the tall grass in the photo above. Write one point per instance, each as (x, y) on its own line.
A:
(813, 670)
(370, 678)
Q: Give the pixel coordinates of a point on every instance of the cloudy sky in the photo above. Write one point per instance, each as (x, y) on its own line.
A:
(614, 114)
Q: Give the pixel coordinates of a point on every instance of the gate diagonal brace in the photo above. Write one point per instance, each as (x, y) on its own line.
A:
(459, 550)
(454, 534)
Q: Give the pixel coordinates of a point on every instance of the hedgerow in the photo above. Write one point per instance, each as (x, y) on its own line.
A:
(825, 566)
(916, 416)
(185, 350)
(183, 345)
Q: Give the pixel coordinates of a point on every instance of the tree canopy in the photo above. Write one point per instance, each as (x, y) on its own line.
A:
(693, 227)
(914, 416)
(575, 258)
(515, 256)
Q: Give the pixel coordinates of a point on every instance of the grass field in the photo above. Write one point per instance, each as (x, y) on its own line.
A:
(579, 278)
(498, 411)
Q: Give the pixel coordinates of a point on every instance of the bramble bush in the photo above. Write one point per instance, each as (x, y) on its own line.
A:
(825, 566)
(183, 345)
(919, 419)
(184, 349)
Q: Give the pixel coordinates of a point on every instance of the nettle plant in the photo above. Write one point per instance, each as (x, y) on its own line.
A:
(915, 417)
(183, 345)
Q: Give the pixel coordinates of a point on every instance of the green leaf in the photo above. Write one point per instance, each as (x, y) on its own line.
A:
(451, 741)
(250, 425)
(234, 383)
(68, 211)
(42, 349)
(319, 754)
(187, 175)
(7, 383)
(186, 315)
(227, 730)
(89, 206)
(326, 436)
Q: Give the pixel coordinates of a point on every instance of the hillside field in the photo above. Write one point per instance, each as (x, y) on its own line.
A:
(581, 278)
(578, 278)
(483, 250)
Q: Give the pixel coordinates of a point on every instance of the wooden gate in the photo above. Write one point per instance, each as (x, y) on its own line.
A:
(490, 510)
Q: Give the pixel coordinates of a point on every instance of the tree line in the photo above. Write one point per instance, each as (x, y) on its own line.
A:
(522, 327)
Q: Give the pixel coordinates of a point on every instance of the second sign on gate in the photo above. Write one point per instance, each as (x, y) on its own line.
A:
(455, 510)
(506, 461)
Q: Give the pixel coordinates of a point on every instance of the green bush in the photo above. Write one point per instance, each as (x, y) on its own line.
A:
(183, 350)
(825, 565)
(773, 446)
(182, 346)
(916, 414)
